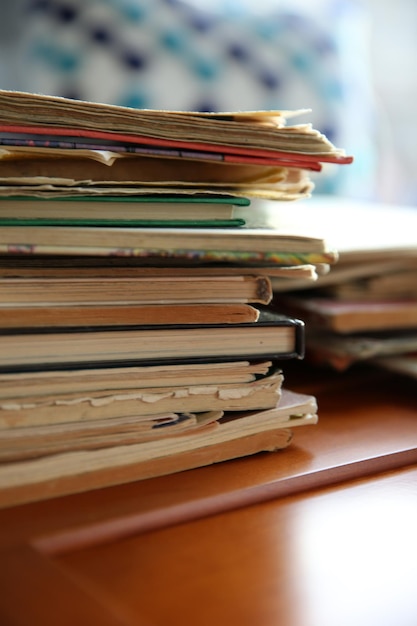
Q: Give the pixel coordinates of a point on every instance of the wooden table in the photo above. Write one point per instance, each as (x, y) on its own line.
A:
(320, 534)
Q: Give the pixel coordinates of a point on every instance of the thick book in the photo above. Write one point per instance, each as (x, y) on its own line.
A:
(24, 404)
(75, 465)
(273, 336)
(157, 241)
(264, 240)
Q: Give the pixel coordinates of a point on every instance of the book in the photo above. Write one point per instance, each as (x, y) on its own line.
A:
(92, 315)
(269, 259)
(350, 316)
(48, 187)
(106, 290)
(192, 210)
(39, 440)
(216, 438)
(372, 239)
(272, 336)
(85, 380)
(390, 282)
(106, 148)
(66, 299)
(28, 265)
(132, 151)
(262, 133)
(27, 403)
(74, 174)
(343, 351)
(262, 240)
(164, 240)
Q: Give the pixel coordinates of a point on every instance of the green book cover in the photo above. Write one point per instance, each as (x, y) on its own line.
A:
(177, 211)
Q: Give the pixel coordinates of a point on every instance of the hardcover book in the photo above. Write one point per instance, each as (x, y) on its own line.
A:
(144, 210)
(273, 336)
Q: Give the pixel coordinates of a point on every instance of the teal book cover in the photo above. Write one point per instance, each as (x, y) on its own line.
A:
(143, 211)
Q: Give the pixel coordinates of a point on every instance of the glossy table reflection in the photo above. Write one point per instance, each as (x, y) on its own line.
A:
(345, 555)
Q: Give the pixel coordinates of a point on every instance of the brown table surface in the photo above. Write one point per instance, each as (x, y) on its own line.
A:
(319, 534)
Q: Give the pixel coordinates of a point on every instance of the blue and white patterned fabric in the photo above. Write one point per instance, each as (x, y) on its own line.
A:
(211, 55)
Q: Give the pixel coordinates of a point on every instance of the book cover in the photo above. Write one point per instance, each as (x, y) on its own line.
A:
(146, 211)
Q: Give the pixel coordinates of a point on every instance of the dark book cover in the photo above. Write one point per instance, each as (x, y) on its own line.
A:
(273, 336)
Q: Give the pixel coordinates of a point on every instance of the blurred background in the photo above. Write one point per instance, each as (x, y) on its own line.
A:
(352, 62)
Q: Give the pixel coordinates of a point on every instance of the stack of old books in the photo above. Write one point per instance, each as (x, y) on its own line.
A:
(137, 253)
